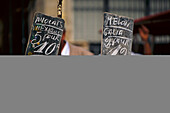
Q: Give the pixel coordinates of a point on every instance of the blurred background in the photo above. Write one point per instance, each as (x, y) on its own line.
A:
(84, 19)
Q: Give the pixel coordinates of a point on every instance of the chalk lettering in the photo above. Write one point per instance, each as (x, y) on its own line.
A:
(44, 20)
(115, 52)
(46, 34)
(52, 45)
(49, 36)
(37, 39)
(117, 35)
(116, 21)
(42, 46)
(113, 32)
(108, 42)
(123, 51)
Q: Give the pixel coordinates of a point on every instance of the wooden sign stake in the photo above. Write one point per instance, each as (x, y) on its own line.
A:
(59, 9)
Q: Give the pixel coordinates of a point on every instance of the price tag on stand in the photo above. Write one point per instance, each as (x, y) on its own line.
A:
(45, 36)
(117, 35)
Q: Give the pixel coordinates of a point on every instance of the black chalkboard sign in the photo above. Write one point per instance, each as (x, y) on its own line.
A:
(117, 35)
(45, 36)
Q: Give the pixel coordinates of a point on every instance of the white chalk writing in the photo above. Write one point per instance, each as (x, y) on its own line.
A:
(113, 32)
(46, 21)
(116, 21)
(117, 32)
(108, 42)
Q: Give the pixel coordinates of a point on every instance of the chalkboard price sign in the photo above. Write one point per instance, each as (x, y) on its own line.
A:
(117, 35)
(45, 36)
